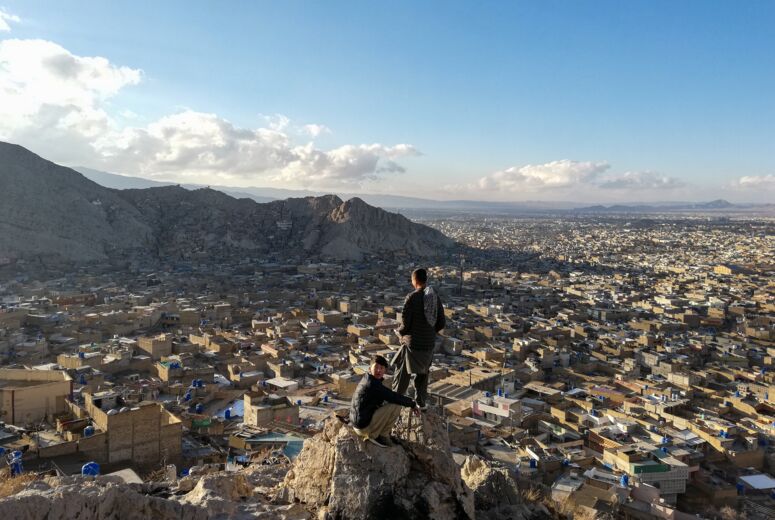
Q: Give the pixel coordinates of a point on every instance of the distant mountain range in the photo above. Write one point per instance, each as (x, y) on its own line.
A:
(417, 205)
(718, 206)
(55, 212)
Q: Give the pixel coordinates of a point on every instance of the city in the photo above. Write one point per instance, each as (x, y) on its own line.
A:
(623, 363)
(440, 260)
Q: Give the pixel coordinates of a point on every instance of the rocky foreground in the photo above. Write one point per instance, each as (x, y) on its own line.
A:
(336, 476)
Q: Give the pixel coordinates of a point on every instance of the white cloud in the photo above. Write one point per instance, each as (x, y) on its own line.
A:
(566, 178)
(194, 146)
(756, 182)
(316, 130)
(5, 19)
(45, 87)
(640, 181)
(346, 165)
(56, 103)
(278, 122)
(555, 174)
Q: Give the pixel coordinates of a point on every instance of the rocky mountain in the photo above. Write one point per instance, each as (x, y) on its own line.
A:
(51, 211)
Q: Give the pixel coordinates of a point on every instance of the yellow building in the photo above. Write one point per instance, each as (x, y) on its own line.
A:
(157, 346)
(30, 396)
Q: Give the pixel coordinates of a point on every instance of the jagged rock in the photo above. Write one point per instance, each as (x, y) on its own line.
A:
(87, 499)
(496, 494)
(491, 486)
(215, 496)
(219, 494)
(344, 477)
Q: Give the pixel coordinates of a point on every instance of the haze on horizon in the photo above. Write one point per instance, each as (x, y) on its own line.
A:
(599, 102)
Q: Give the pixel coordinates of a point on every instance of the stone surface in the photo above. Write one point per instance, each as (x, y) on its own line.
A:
(215, 496)
(336, 476)
(496, 494)
(346, 477)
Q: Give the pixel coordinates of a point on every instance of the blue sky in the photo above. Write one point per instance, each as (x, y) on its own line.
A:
(599, 101)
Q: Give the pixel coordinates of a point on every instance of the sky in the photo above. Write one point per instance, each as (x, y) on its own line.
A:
(595, 102)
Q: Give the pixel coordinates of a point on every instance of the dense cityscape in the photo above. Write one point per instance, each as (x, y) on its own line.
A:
(621, 364)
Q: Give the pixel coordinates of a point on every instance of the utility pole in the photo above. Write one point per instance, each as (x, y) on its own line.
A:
(460, 279)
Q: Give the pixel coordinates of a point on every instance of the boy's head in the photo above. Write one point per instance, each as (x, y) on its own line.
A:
(378, 367)
(419, 278)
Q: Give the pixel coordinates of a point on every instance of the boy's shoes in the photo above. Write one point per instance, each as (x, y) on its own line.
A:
(380, 441)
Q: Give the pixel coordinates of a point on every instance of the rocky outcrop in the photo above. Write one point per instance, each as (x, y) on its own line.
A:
(337, 476)
(55, 212)
(213, 496)
(496, 494)
(344, 477)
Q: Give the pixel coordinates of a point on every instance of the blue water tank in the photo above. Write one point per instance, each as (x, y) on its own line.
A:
(625, 480)
(737, 393)
(82, 379)
(90, 469)
(565, 462)
(199, 408)
(663, 449)
(665, 439)
(187, 397)
(82, 355)
(184, 472)
(500, 392)
(487, 394)
(227, 413)
(325, 398)
(298, 402)
(88, 431)
(16, 463)
(533, 463)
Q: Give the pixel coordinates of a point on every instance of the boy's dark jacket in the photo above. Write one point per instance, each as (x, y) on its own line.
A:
(370, 395)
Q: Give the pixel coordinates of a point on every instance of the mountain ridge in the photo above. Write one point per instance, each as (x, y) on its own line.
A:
(401, 202)
(57, 212)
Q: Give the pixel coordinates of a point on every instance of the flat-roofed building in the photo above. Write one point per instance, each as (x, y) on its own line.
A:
(29, 396)
(157, 346)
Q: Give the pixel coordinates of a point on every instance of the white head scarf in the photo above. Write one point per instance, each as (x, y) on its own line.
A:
(430, 302)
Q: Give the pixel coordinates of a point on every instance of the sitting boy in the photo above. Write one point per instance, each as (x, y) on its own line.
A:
(375, 408)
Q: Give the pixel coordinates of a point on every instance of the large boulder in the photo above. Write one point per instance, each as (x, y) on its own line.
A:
(496, 494)
(344, 477)
(214, 496)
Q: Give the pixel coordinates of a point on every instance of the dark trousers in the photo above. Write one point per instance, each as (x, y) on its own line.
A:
(401, 382)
